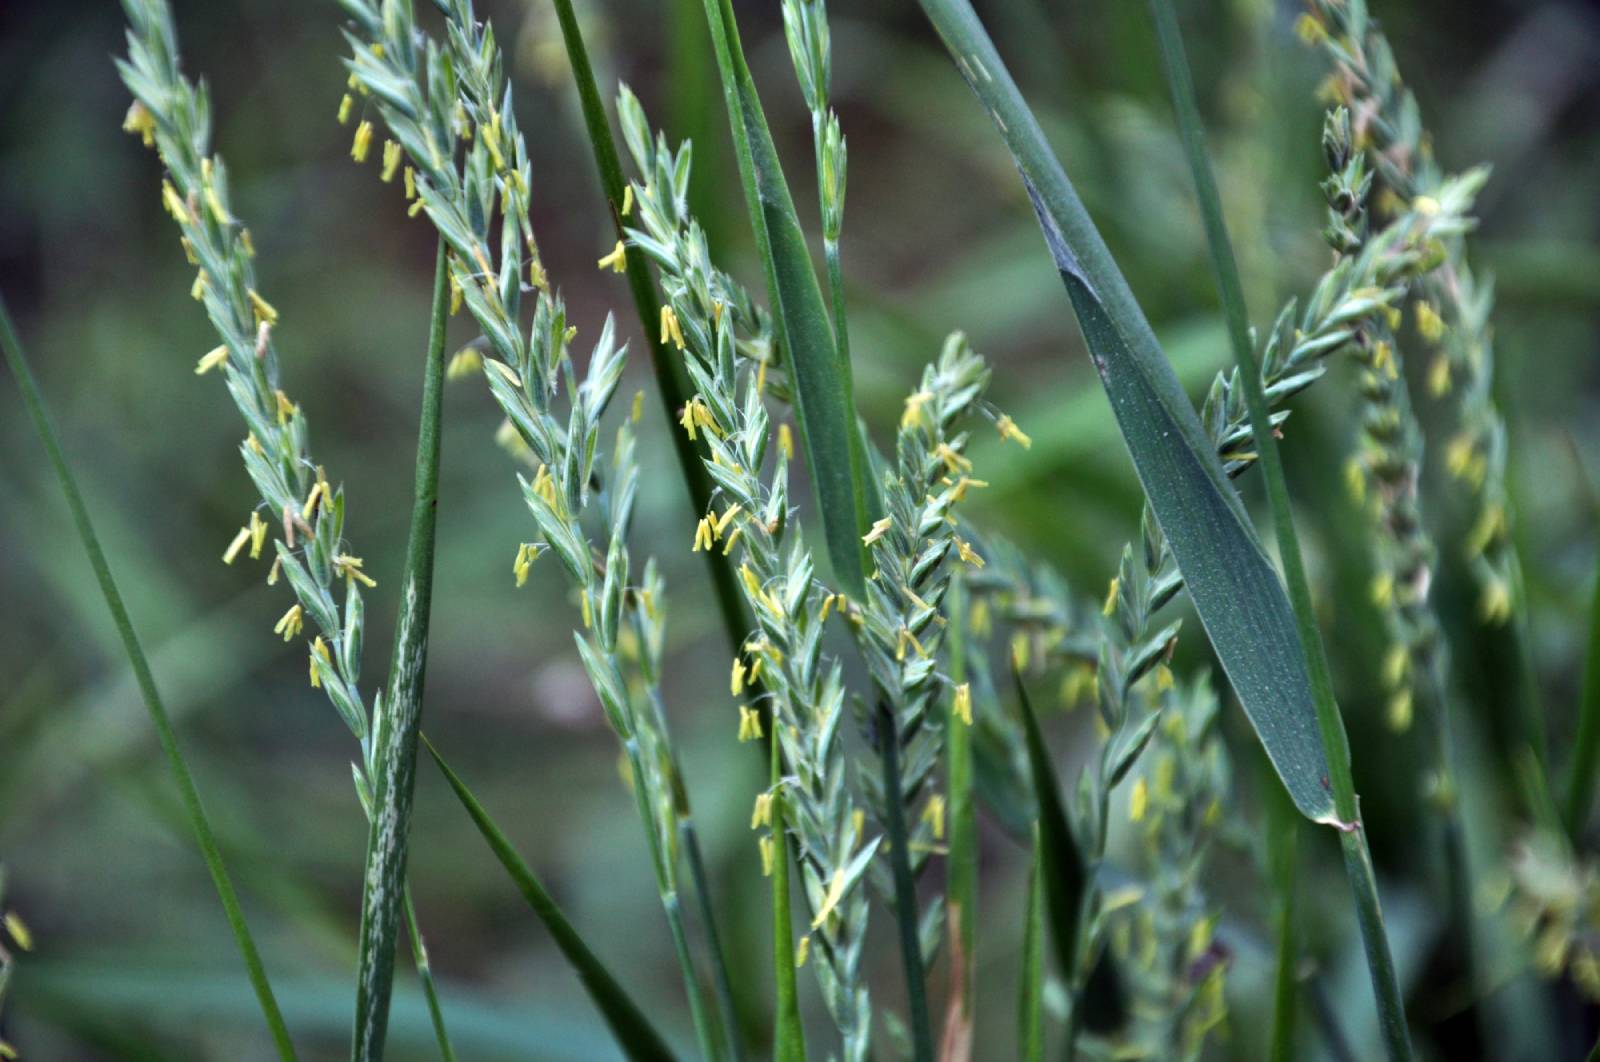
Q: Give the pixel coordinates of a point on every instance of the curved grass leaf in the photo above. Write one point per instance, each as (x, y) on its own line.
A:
(193, 810)
(637, 1038)
(1234, 587)
(1030, 1001)
(1061, 865)
(824, 398)
(383, 887)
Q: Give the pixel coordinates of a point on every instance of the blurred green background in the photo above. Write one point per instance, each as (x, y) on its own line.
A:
(133, 957)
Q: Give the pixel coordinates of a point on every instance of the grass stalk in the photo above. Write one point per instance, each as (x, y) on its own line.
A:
(905, 888)
(633, 1032)
(671, 380)
(193, 809)
(1358, 860)
(789, 1039)
(397, 724)
(1283, 842)
(961, 868)
(1030, 1008)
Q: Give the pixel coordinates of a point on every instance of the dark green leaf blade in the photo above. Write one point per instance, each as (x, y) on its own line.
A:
(1235, 589)
(824, 393)
(1064, 876)
(637, 1038)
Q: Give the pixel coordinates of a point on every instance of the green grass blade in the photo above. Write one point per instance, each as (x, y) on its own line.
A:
(1337, 782)
(961, 868)
(672, 382)
(634, 1034)
(905, 888)
(824, 398)
(1283, 842)
(194, 811)
(430, 991)
(396, 727)
(1231, 581)
(1030, 1002)
(1061, 866)
(789, 1037)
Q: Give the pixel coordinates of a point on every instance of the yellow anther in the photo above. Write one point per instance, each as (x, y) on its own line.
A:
(232, 552)
(1429, 323)
(1425, 205)
(933, 815)
(965, 551)
(727, 546)
(1383, 359)
(617, 260)
(1383, 590)
(272, 573)
(362, 142)
(786, 441)
(1439, 376)
(464, 362)
(736, 680)
(527, 553)
(1495, 604)
(762, 814)
(831, 900)
(139, 120)
(1396, 665)
(704, 535)
(670, 328)
(19, 931)
(291, 623)
(749, 723)
(879, 529)
(1111, 596)
(409, 175)
(913, 414)
(802, 950)
(1008, 430)
(963, 703)
(1310, 29)
(350, 568)
(174, 203)
(768, 851)
(627, 200)
(586, 610)
(258, 534)
(1399, 714)
(346, 105)
(953, 460)
(264, 311)
(1139, 800)
(637, 413)
(959, 491)
(391, 161)
(214, 358)
(318, 648)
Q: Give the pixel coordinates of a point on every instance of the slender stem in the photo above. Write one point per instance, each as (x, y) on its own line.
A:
(1283, 842)
(961, 873)
(419, 952)
(187, 793)
(672, 383)
(1358, 861)
(721, 982)
(397, 724)
(905, 888)
(789, 1034)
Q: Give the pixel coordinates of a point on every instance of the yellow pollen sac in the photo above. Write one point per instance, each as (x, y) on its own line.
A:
(1439, 376)
(749, 724)
(247, 243)
(703, 535)
(587, 611)
(761, 377)
(350, 568)
(258, 534)
(1310, 29)
(831, 900)
(362, 142)
(214, 358)
(318, 648)
(802, 950)
(1355, 479)
(19, 931)
(762, 815)
(1163, 677)
(636, 414)
(264, 311)
(1138, 800)
(727, 547)
(1383, 359)
(786, 441)
(1429, 323)
(1399, 718)
(272, 573)
(953, 460)
(736, 681)
(933, 815)
(1425, 205)
(965, 551)
(1495, 605)
(232, 552)
(410, 177)
(627, 200)
(687, 420)
(464, 362)
(879, 529)
(318, 494)
(491, 140)
(1383, 590)
(1111, 597)
(963, 703)
(768, 852)
(139, 120)
(1008, 430)
(670, 329)
(290, 624)
(913, 415)
(174, 203)
(1396, 665)
(527, 553)
(959, 491)
(726, 518)
(391, 161)
(617, 260)
(346, 105)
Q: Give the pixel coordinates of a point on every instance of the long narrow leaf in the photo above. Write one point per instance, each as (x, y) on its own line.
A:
(637, 1038)
(1030, 1001)
(384, 885)
(824, 394)
(1064, 875)
(1338, 781)
(193, 810)
(1229, 577)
